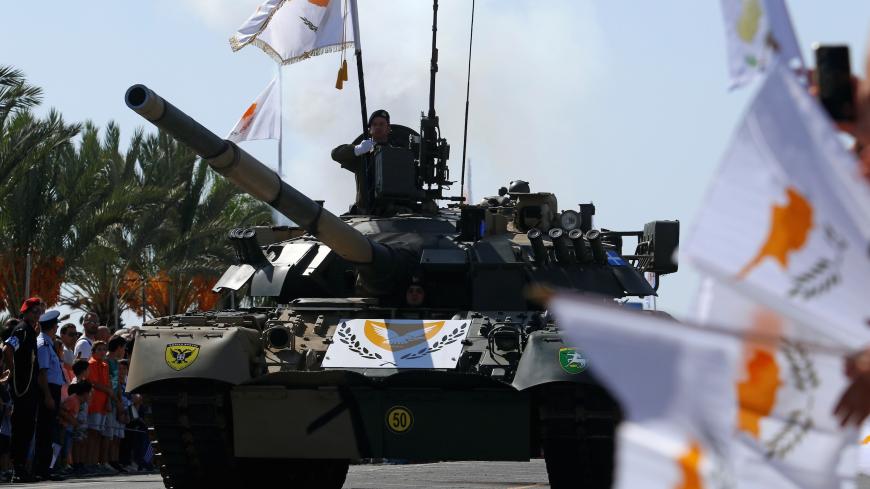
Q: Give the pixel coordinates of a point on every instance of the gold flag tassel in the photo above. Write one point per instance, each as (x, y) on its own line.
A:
(342, 70)
(339, 80)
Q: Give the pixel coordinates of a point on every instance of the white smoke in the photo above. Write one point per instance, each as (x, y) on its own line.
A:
(221, 15)
(533, 65)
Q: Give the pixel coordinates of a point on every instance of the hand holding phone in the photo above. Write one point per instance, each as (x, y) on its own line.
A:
(834, 81)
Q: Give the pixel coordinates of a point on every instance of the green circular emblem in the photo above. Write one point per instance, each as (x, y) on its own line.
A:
(571, 360)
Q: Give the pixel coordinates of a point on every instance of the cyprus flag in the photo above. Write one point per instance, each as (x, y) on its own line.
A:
(262, 119)
(757, 31)
(715, 406)
(789, 380)
(675, 385)
(787, 218)
(293, 30)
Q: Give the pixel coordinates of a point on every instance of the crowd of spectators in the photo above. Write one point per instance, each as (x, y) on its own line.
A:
(64, 409)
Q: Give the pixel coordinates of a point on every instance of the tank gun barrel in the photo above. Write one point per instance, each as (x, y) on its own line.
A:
(253, 177)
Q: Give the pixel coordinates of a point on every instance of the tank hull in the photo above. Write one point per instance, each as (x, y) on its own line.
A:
(226, 403)
(309, 426)
(414, 424)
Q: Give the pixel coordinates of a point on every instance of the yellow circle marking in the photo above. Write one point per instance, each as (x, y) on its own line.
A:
(399, 419)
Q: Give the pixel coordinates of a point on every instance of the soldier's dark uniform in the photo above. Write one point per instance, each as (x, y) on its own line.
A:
(343, 154)
(25, 393)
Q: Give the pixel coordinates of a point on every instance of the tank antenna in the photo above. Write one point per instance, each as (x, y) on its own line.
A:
(467, 92)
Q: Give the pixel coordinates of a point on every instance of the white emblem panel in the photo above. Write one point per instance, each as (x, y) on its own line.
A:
(396, 343)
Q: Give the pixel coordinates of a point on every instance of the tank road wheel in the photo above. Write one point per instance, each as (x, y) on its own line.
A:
(577, 432)
(191, 433)
(294, 473)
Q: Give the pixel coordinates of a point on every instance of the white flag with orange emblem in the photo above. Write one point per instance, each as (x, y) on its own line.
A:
(717, 406)
(757, 32)
(293, 30)
(787, 218)
(789, 381)
(262, 119)
(676, 388)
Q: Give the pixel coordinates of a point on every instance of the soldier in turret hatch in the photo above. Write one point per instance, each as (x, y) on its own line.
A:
(352, 157)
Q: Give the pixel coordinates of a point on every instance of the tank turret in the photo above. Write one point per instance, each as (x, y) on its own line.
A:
(380, 266)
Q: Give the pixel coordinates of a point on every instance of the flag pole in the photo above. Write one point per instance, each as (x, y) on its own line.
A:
(280, 123)
(359, 66)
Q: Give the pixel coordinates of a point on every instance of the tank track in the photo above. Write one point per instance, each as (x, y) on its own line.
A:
(191, 432)
(577, 428)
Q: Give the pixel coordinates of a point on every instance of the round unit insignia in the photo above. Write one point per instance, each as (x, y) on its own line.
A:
(399, 419)
(571, 360)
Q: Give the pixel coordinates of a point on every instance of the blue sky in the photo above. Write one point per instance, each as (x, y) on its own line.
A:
(621, 103)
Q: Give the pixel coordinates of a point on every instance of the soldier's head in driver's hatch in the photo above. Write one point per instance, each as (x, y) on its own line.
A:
(415, 295)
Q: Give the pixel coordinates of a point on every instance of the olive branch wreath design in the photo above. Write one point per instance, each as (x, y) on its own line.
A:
(799, 421)
(309, 24)
(346, 336)
(824, 274)
(445, 340)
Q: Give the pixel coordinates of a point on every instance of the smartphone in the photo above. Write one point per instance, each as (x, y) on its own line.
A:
(834, 81)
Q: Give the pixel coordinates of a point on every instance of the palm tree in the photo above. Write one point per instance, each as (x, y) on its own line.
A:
(60, 198)
(30, 150)
(185, 248)
(17, 142)
(98, 219)
(93, 280)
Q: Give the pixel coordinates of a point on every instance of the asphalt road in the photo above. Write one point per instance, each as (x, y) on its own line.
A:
(450, 475)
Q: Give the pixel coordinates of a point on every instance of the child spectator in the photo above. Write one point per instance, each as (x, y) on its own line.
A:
(137, 433)
(98, 408)
(73, 422)
(114, 428)
(80, 371)
(65, 458)
(125, 454)
(79, 445)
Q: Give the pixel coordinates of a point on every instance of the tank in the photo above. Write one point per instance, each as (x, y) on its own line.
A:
(404, 334)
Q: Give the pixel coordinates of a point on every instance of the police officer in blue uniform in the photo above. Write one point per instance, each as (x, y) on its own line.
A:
(50, 380)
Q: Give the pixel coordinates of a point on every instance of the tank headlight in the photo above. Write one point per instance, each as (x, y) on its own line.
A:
(593, 236)
(569, 220)
(506, 340)
(279, 337)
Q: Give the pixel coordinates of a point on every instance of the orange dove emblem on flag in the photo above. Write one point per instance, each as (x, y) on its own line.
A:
(248, 117)
(394, 336)
(757, 394)
(689, 463)
(789, 228)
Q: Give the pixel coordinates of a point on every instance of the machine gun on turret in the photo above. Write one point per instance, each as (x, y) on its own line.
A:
(433, 150)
